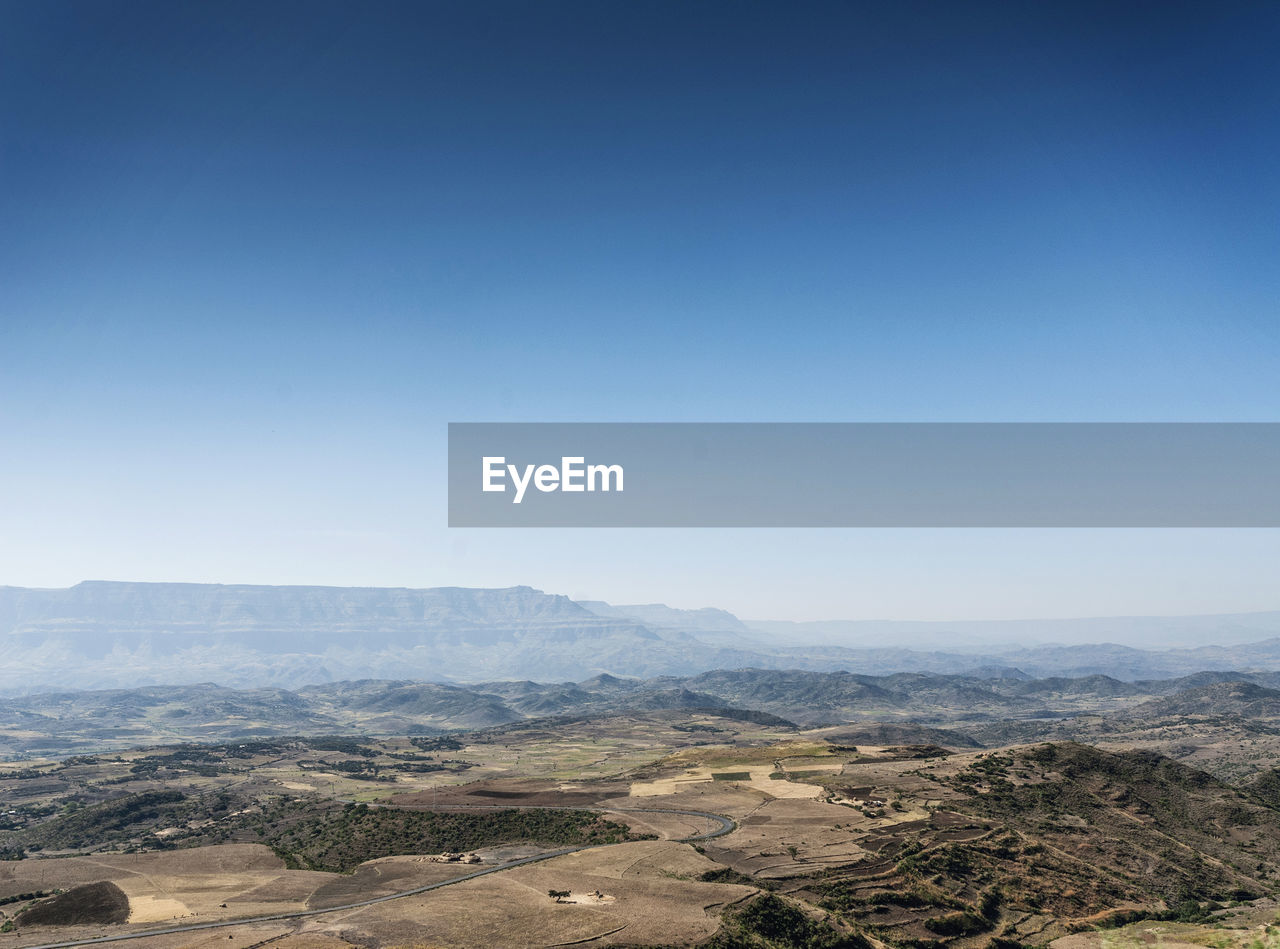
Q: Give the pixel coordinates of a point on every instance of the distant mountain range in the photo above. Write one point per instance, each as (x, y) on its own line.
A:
(121, 635)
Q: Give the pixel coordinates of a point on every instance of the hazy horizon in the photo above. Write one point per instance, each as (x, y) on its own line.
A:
(660, 603)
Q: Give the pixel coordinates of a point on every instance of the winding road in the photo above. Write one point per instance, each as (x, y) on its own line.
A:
(724, 825)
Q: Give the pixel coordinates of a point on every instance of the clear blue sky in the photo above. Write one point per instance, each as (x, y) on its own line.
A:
(255, 256)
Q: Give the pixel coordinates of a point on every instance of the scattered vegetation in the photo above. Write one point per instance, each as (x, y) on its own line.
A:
(443, 743)
(772, 922)
(116, 821)
(341, 840)
(730, 875)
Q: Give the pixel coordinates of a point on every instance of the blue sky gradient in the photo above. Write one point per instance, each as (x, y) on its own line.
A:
(256, 256)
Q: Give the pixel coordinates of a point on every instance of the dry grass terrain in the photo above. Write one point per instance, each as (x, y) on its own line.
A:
(835, 843)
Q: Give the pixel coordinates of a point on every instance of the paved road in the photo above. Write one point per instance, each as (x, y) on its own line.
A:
(723, 826)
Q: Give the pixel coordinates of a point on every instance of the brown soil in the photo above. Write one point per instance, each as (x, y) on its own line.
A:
(92, 903)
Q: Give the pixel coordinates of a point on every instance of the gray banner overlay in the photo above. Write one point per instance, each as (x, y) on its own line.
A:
(865, 475)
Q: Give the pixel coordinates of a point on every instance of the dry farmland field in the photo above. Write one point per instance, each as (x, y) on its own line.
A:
(659, 828)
